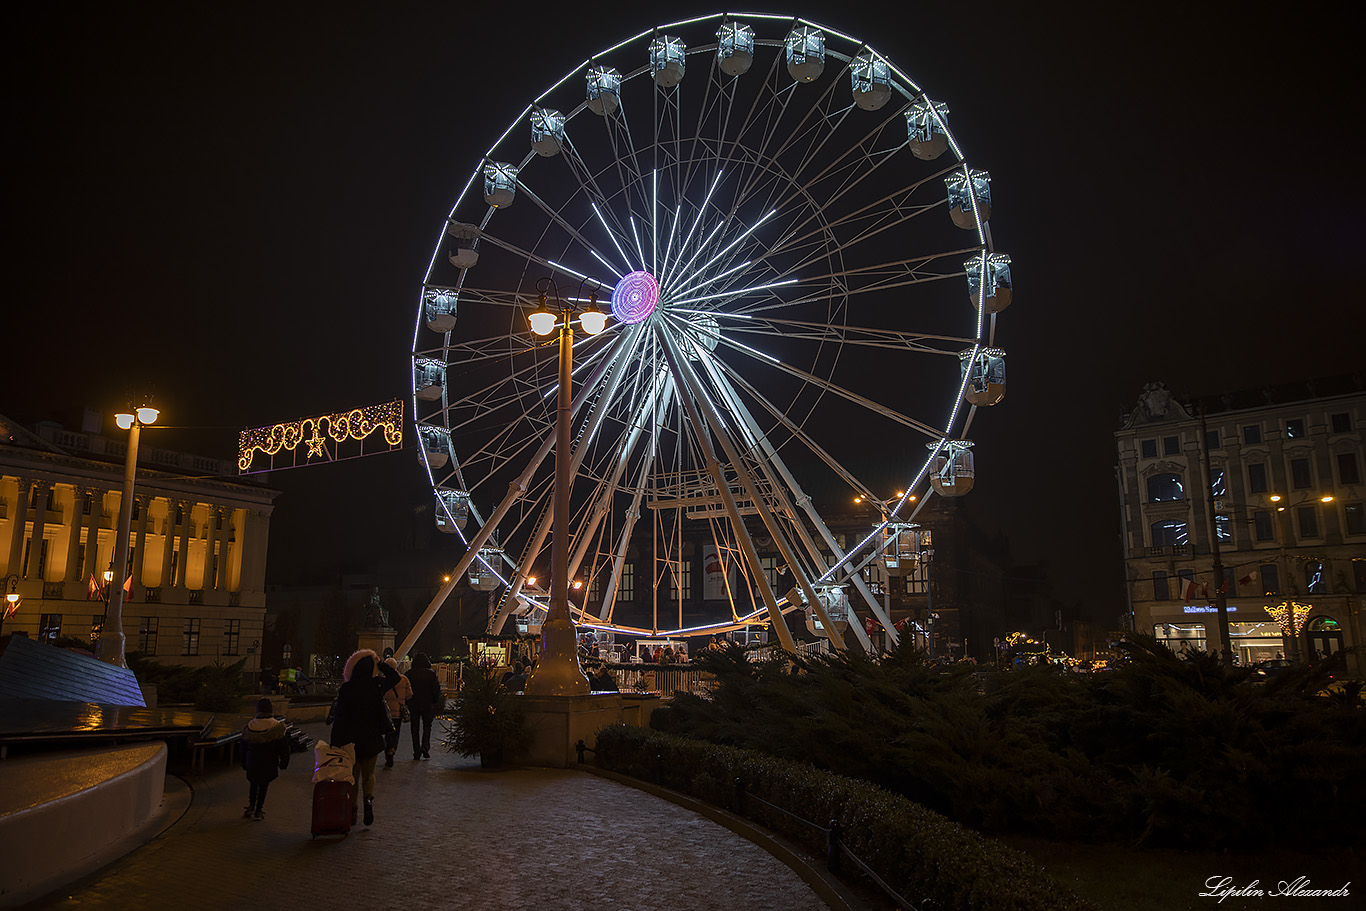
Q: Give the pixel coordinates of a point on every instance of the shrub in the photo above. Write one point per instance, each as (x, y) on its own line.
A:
(917, 852)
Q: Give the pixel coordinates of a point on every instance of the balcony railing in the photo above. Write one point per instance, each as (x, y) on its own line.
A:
(1168, 550)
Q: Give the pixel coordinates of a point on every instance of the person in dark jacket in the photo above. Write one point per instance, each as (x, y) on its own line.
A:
(425, 703)
(265, 750)
(362, 718)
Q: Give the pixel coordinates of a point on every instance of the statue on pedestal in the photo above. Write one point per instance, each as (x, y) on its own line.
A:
(376, 617)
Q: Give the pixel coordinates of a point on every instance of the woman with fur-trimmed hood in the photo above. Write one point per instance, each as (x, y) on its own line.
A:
(363, 719)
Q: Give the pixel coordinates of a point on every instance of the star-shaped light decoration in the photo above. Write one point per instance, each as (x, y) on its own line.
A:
(315, 444)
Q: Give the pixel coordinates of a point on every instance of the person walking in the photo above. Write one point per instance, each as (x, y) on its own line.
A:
(424, 704)
(396, 701)
(362, 718)
(265, 750)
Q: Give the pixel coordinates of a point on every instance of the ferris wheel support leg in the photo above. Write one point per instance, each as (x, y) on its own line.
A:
(515, 491)
(758, 441)
(690, 402)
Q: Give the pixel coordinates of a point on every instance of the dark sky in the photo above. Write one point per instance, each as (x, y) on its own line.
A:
(233, 206)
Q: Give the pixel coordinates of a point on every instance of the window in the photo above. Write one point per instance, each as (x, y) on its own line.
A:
(88, 504)
(1171, 445)
(626, 585)
(1165, 487)
(1342, 422)
(1294, 429)
(1252, 433)
(173, 578)
(682, 579)
(1359, 574)
(1211, 439)
(1169, 533)
(137, 508)
(1149, 449)
(234, 634)
(1256, 478)
(595, 588)
(1161, 590)
(1300, 475)
(769, 564)
(1262, 527)
(49, 627)
(1349, 472)
(147, 636)
(1223, 527)
(1315, 579)
(1271, 579)
(42, 559)
(1309, 521)
(1356, 519)
(96, 628)
(180, 514)
(1187, 577)
(189, 640)
(1216, 483)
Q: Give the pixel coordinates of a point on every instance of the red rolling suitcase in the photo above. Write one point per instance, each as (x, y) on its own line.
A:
(333, 806)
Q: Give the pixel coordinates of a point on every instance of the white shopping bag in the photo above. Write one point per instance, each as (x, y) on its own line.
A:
(333, 763)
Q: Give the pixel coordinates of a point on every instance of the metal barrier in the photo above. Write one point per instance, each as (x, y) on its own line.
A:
(664, 679)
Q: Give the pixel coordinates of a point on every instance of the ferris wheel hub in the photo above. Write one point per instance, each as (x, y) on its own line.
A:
(635, 297)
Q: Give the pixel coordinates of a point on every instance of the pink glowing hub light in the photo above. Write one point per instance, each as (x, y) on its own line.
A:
(635, 296)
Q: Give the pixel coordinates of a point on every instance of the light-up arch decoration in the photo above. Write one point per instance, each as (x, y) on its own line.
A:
(356, 424)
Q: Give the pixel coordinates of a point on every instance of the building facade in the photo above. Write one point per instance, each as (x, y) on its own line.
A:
(196, 550)
(1283, 469)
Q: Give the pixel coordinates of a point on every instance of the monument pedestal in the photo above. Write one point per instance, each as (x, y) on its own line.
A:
(559, 722)
(376, 637)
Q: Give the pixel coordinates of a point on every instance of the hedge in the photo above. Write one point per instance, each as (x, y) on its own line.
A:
(920, 854)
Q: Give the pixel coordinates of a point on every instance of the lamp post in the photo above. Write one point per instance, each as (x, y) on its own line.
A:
(1290, 632)
(12, 598)
(558, 672)
(110, 646)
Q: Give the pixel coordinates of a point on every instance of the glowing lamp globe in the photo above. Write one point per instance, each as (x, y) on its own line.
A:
(124, 420)
(635, 297)
(593, 321)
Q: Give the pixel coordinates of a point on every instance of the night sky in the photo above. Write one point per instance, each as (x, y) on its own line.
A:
(232, 207)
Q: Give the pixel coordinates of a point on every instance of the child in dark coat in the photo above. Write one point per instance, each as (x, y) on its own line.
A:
(265, 750)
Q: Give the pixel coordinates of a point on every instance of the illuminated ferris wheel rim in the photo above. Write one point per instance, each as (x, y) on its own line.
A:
(646, 296)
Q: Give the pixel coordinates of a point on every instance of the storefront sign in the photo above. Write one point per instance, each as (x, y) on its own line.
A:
(1205, 609)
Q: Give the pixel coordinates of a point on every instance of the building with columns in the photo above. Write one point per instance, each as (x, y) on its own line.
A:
(1282, 468)
(196, 551)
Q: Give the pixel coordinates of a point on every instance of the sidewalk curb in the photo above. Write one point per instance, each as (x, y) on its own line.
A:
(831, 891)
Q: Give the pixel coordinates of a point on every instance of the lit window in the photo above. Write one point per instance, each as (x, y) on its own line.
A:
(1165, 487)
(626, 586)
(1169, 533)
(49, 627)
(1223, 528)
(1294, 429)
(1315, 579)
(1216, 483)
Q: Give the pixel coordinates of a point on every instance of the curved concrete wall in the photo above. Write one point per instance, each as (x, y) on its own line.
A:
(64, 814)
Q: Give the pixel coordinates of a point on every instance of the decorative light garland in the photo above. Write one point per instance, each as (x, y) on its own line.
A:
(356, 424)
(1281, 613)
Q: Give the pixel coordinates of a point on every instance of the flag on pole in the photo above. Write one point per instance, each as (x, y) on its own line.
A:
(1188, 589)
(128, 589)
(92, 590)
(1248, 579)
(1204, 591)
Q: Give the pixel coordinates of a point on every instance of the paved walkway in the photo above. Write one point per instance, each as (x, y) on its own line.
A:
(446, 834)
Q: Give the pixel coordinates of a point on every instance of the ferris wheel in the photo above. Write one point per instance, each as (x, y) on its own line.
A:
(803, 290)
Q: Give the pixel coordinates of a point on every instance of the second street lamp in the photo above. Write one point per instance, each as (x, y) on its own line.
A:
(110, 646)
(558, 672)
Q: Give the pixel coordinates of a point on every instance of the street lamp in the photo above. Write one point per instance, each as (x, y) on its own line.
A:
(558, 672)
(110, 645)
(1288, 614)
(12, 598)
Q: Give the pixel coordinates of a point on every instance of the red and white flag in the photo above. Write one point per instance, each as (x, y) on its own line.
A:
(1248, 579)
(128, 589)
(92, 590)
(1189, 587)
